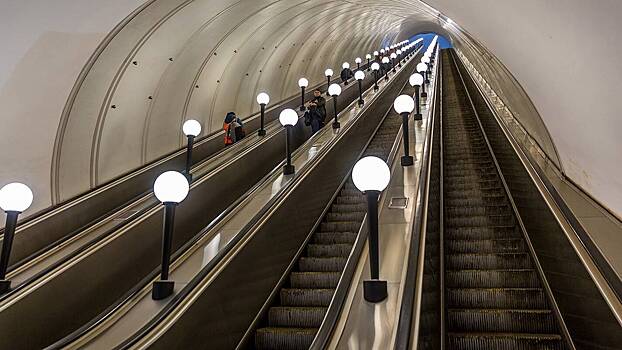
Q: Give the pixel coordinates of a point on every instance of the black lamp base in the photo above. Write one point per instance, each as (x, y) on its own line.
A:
(336, 125)
(407, 160)
(162, 289)
(361, 103)
(376, 88)
(417, 116)
(261, 132)
(345, 82)
(288, 169)
(375, 291)
(424, 94)
(386, 77)
(188, 176)
(5, 286)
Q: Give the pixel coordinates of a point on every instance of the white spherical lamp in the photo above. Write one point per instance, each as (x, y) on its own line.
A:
(376, 53)
(334, 90)
(425, 59)
(191, 128)
(393, 55)
(399, 52)
(385, 60)
(171, 187)
(345, 65)
(329, 72)
(358, 60)
(415, 79)
(368, 57)
(303, 82)
(15, 197)
(375, 66)
(263, 98)
(422, 67)
(359, 75)
(404, 104)
(371, 174)
(288, 117)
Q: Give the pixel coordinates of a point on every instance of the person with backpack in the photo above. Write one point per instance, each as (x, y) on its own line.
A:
(320, 102)
(234, 129)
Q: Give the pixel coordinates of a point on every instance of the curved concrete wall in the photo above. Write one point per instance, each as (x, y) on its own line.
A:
(107, 85)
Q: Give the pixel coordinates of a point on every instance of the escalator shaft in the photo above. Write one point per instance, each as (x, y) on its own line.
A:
(294, 318)
(494, 298)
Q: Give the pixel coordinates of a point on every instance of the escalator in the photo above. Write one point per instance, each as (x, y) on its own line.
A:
(494, 296)
(295, 316)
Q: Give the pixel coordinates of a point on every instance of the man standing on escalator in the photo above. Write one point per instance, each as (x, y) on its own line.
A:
(320, 102)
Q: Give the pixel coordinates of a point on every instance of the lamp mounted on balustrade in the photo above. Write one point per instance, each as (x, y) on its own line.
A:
(263, 99)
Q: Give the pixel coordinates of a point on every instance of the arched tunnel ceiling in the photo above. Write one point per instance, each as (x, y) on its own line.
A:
(159, 62)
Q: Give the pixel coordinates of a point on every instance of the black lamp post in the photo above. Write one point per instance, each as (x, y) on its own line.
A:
(399, 58)
(302, 83)
(191, 129)
(15, 198)
(359, 76)
(421, 68)
(416, 80)
(358, 62)
(170, 188)
(263, 99)
(404, 105)
(328, 73)
(335, 90)
(288, 119)
(371, 175)
(375, 67)
(368, 57)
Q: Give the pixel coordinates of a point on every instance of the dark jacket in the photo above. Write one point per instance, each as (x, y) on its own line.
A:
(346, 74)
(321, 105)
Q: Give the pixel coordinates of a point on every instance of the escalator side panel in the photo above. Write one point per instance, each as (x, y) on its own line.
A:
(586, 314)
(222, 314)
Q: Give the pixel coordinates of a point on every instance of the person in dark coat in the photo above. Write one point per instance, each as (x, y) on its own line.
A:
(314, 118)
(346, 74)
(320, 102)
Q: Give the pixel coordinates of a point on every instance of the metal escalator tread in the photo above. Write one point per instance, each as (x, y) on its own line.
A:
(494, 297)
(294, 319)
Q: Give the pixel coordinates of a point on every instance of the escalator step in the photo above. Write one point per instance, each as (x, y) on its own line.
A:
(491, 232)
(476, 201)
(478, 210)
(501, 320)
(340, 226)
(349, 199)
(284, 338)
(334, 237)
(345, 216)
(497, 298)
(306, 297)
(499, 245)
(488, 261)
(296, 316)
(480, 220)
(507, 278)
(321, 264)
(329, 250)
(314, 279)
(504, 341)
(360, 207)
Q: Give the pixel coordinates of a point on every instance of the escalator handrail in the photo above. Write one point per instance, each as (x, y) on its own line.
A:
(411, 297)
(335, 307)
(243, 233)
